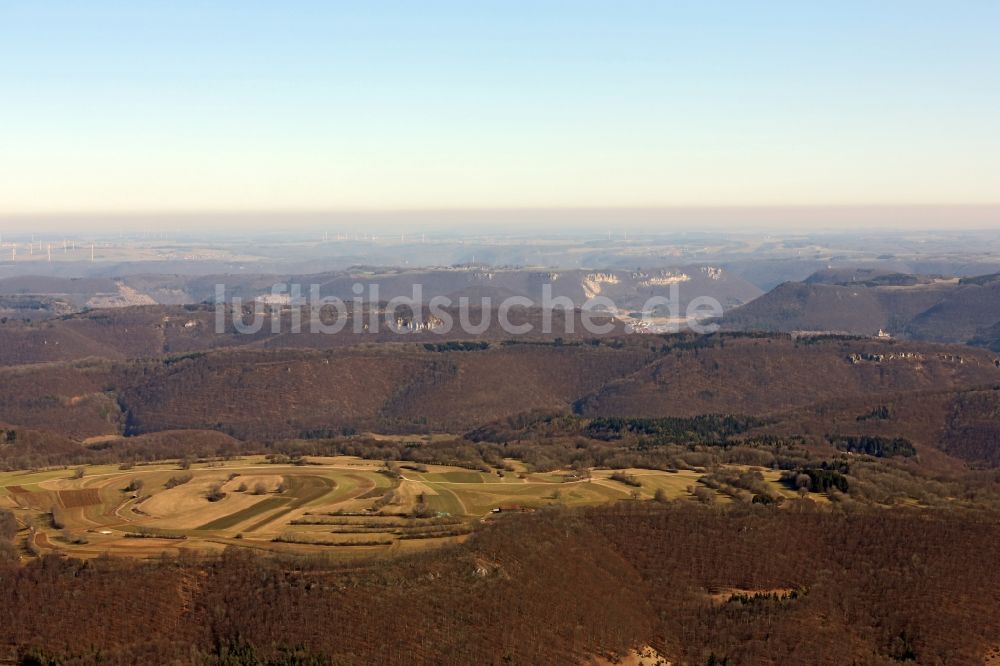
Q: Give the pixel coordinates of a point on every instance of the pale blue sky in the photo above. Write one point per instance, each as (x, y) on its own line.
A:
(171, 106)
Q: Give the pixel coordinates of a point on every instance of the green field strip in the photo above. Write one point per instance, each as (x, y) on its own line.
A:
(453, 477)
(234, 519)
(155, 532)
(346, 487)
(445, 501)
(26, 478)
(602, 491)
(546, 478)
(383, 482)
(308, 490)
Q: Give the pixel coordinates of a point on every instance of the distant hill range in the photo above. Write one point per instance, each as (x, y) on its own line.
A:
(157, 330)
(44, 319)
(35, 297)
(862, 302)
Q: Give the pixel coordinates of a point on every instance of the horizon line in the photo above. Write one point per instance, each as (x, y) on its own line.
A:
(487, 209)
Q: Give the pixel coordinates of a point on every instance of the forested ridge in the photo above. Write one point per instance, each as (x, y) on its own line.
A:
(457, 386)
(751, 584)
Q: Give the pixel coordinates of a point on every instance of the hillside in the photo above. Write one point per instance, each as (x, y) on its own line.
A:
(770, 374)
(989, 338)
(153, 331)
(913, 307)
(699, 585)
(973, 306)
(273, 394)
(287, 393)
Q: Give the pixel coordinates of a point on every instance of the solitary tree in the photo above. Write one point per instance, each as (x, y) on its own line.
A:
(57, 519)
(215, 492)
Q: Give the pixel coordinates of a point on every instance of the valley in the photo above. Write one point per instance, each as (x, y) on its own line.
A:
(799, 480)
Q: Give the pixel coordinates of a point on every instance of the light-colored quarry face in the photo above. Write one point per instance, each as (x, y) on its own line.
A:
(594, 282)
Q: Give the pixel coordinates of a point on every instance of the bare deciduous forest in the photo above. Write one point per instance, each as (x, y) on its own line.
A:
(751, 584)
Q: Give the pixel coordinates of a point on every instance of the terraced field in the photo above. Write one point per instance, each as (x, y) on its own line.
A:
(337, 505)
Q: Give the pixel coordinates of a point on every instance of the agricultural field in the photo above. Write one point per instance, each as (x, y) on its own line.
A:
(339, 505)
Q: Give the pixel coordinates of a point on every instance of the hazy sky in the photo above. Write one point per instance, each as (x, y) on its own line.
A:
(242, 105)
